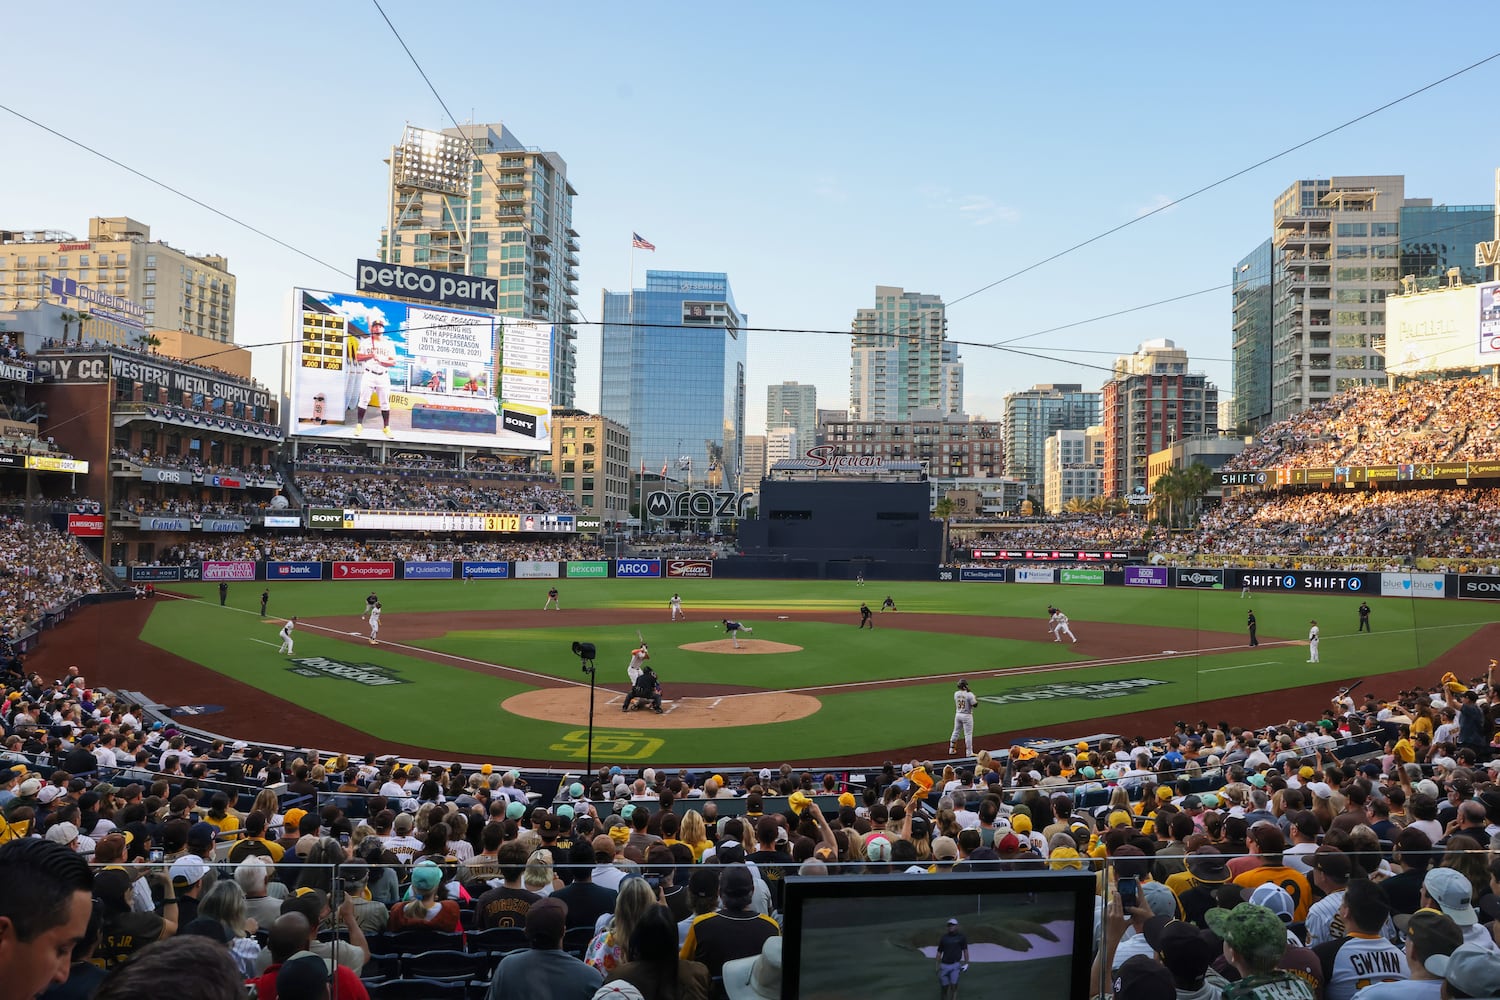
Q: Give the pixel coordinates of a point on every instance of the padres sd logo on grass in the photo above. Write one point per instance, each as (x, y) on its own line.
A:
(368, 674)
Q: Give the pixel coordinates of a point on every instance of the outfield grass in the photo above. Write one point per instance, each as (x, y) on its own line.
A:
(456, 710)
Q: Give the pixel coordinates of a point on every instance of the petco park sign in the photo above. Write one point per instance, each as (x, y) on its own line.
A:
(427, 285)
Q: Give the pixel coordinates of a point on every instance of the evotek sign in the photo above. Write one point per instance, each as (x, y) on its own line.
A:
(368, 674)
(429, 286)
(1199, 579)
(1090, 692)
(1314, 581)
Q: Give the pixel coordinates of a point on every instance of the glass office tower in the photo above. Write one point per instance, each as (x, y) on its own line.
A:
(1437, 237)
(674, 374)
(1250, 345)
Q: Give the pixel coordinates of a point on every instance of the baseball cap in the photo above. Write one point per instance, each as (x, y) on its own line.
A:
(1142, 978)
(1274, 898)
(847, 800)
(546, 919)
(1321, 789)
(203, 834)
(1431, 932)
(62, 833)
(189, 870)
(1428, 787)
(1008, 844)
(426, 876)
(302, 977)
(1471, 969)
(1064, 857)
(1183, 948)
(50, 794)
(1453, 893)
(878, 849)
(515, 810)
(952, 921)
(945, 849)
(619, 989)
(1020, 823)
(292, 817)
(1253, 931)
(765, 774)
(29, 788)
(1331, 862)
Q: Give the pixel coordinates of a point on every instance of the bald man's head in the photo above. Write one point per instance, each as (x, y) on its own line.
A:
(604, 848)
(289, 934)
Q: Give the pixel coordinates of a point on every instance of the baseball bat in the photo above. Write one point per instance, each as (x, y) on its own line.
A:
(1351, 687)
(640, 637)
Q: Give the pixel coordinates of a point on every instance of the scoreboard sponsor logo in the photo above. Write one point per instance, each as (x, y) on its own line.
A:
(324, 517)
(690, 569)
(483, 570)
(294, 571)
(637, 568)
(364, 571)
(442, 570)
(239, 569)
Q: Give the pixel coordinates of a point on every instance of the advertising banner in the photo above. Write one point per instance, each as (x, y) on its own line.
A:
(1087, 577)
(1411, 585)
(427, 571)
(86, 525)
(588, 523)
(151, 523)
(364, 570)
(690, 569)
(443, 287)
(294, 571)
(151, 474)
(637, 568)
(531, 569)
(1314, 581)
(597, 568)
(329, 518)
(981, 574)
(1053, 555)
(190, 571)
(1198, 579)
(1027, 574)
(1145, 576)
(222, 524)
(224, 482)
(236, 570)
(282, 521)
(486, 570)
(155, 574)
(436, 370)
(1479, 588)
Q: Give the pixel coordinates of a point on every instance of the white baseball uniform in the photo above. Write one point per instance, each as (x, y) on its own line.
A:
(638, 657)
(375, 373)
(374, 623)
(963, 720)
(286, 639)
(1312, 644)
(676, 605)
(1059, 626)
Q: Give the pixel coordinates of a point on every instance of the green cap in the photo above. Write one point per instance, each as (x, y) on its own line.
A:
(1254, 931)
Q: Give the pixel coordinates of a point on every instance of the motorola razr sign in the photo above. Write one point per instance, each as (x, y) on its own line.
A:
(447, 287)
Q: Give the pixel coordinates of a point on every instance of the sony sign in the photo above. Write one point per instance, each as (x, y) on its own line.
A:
(1483, 588)
(445, 287)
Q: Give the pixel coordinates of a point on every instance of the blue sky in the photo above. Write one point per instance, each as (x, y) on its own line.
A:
(811, 151)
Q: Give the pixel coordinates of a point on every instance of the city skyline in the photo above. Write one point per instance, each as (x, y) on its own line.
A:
(1168, 110)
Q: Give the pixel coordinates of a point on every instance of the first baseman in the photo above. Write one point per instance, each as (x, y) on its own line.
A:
(963, 718)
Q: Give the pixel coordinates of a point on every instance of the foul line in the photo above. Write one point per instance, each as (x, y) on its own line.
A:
(1240, 666)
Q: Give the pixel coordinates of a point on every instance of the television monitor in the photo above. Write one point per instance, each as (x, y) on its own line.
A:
(1030, 934)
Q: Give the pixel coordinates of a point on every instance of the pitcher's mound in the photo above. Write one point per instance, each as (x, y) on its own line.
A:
(746, 646)
(571, 705)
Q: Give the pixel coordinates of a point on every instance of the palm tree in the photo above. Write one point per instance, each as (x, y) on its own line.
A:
(943, 509)
(68, 318)
(1196, 480)
(1077, 505)
(147, 341)
(1165, 493)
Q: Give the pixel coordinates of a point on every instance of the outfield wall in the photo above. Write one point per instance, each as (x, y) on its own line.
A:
(1310, 581)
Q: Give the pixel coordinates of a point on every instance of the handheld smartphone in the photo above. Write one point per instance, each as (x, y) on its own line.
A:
(343, 840)
(1129, 889)
(654, 881)
(156, 856)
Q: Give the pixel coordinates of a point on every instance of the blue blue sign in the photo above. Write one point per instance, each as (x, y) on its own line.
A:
(427, 570)
(294, 571)
(981, 574)
(486, 570)
(637, 568)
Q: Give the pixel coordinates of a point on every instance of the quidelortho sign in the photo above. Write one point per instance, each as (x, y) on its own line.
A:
(425, 284)
(1480, 588)
(1315, 581)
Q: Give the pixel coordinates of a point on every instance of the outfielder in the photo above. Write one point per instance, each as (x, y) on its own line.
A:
(734, 629)
(374, 623)
(638, 658)
(376, 358)
(676, 605)
(963, 718)
(1059, 626)
(286, 636)
(1312, 641)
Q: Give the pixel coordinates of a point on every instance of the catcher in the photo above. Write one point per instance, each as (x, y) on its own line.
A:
(646, 690)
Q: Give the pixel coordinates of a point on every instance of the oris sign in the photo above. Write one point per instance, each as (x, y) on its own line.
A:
(1481, 588)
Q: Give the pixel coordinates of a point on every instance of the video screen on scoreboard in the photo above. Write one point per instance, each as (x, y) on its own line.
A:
(438, 372)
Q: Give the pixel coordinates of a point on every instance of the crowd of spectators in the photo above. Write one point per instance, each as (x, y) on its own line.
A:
(399, 492)
(330, 459)
(189, 463)
(171, 506)
(424, 548)
(1455, 420)
(1221, 829)
(40, 570)
(1081, 531)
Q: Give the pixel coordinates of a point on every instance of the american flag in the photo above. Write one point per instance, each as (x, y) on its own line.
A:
(639, 242)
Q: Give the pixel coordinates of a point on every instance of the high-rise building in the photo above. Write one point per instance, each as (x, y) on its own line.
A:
(474, 200)
(590, 459)
(950, 444)
(901, 359)
(792, 404)
(1250, 343)
(1338, 249)
(129, 283)
(782, 444)
(1435, 238)
(1032, 416)
(1152, 401)
(1074, 467)
(755, 463)
(674, 373)
(826, 417)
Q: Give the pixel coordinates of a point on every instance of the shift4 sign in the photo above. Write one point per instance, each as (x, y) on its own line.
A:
(368, 674)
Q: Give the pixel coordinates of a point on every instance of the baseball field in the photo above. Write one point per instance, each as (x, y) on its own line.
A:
(479, 671)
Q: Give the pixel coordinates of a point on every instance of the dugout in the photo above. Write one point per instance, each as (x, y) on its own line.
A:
(867, 513)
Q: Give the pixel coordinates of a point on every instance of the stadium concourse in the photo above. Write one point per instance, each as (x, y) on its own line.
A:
(418, 877)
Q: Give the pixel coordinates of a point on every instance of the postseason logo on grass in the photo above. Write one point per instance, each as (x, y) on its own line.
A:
(1090, 692)
(368, 674)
